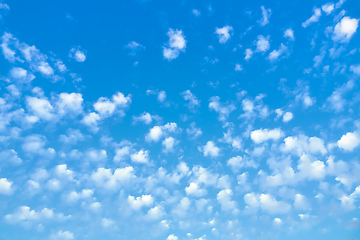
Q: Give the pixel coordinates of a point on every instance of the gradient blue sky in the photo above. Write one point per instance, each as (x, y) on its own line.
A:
(179, 120)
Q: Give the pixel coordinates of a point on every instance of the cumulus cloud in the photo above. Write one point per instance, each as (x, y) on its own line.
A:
(349, 141)
(158, 132)
(222, 109)
(289, 33)
(193, 102)
(210, 149)
(78, 54)
(6, 186)
(266, 13)
(139, 202)
(248, 54)
(62, 235)
(176, 44)
(224, 33)
(303, 144)
(141, 156)
(262, 43)
(262, 135)
(345, 29)
(105, 179)
(267, 203)
(145, 117)
(275, 54)
(314, 18)
(328, 8)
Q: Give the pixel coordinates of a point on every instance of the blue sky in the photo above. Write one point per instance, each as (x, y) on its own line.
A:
(177, 120)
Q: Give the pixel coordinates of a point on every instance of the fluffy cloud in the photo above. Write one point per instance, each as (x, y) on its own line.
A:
(224, 33)
(349, 141)
(24, 215)
(262, 135)
(106, 107)
(158, 132)
(41, 107)
(191, 98)
(275, 54)
(303, 144)
(139, 202)
(345, 29)
(328, 8)
(210, 149)
(176, 44)
(289, 33)
(70, 104)
(224, 198)
(238, 162)
(262, 43)
(266, 13)
(223, 110)
(104, 178)
(78, 54)
(62, 235)
(169, 144)
(141, 156)
(6, 187)
(145, 117)
(267, 203)
(314, 18)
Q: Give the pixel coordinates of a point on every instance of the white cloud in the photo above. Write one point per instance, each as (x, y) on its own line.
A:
(195, 190)
(196, 12)
(314, 18)
(10, 156)
(169, 144)
(355, 69)
(328, 8)
(193, 101)
(172, 237)
(224, 33)
(106, 107)
(122, 154)
(70, 103)
(91, 120)
(62, 235)
(210, 149)
(21, 75)
(161, 96)
(155, 213)
(158, 132)
(25, 215)
(104, 178)
(139, 202)
(262, 43)
(145, 117)
(6, 187)
(238, 67)
(248, 54)
(73, 136)
(349, 141)
(176, 44)
(140, 157)
(288, 116)
(41, 107)
(347, 202)
(222, 109)
(289, 33)
(345, 29)
(262, 135)
(266, 13)
(267, 203)
(303, 144)
(275, 54)
(224, 198)
(238, 162)
(193, 131)
(78, 54)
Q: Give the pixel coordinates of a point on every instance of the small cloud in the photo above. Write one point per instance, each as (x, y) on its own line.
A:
(78, 54)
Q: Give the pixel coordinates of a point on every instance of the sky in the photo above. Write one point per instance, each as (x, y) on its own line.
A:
(179, 120)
